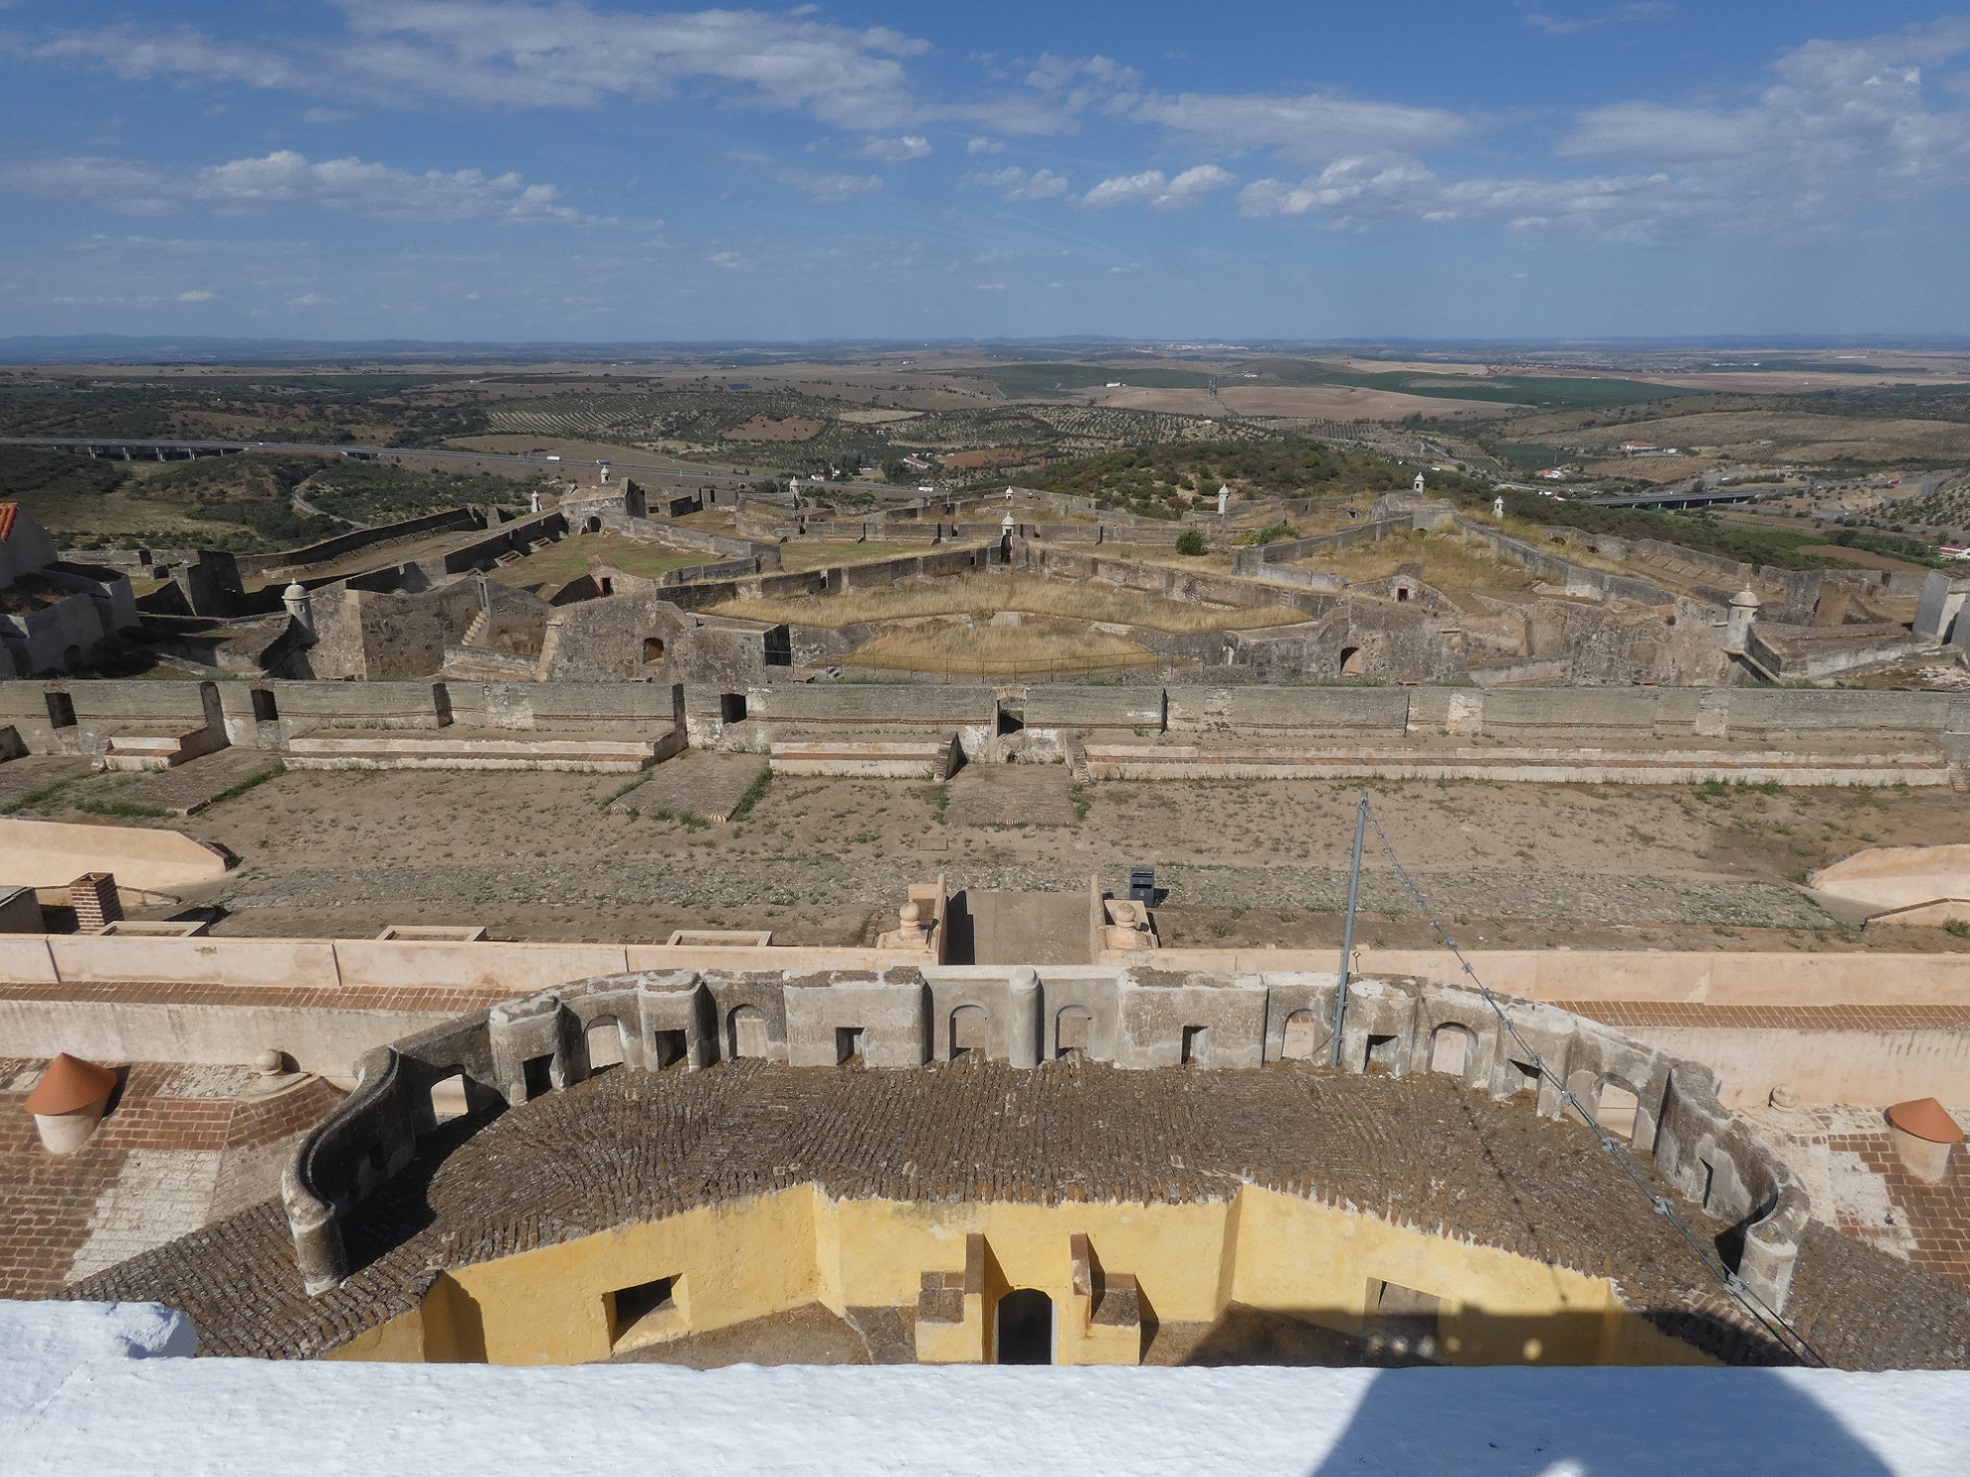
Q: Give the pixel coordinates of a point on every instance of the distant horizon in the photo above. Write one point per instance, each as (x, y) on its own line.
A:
(473, 172)
(26, 349)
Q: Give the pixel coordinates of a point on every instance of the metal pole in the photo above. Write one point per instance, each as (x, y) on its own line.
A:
(1347, 930)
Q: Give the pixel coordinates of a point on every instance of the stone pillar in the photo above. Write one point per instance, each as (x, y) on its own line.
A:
(319, 1253)
(1737, 629)
(1027, 1028)
(96, 900)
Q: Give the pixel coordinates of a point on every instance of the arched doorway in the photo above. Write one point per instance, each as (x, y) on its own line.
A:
(746, 1032)
(1025, 1332)
(968, 1027)
(1350, 661)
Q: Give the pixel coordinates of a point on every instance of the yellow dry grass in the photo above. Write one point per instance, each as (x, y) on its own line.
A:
(797, 557)
(981, 650)
(1449, 563)
(1030, 594)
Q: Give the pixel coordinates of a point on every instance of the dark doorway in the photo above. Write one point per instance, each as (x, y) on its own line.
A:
(777, 647)
(1026, 1327)
(539, 1076)
(61, 710)
(732, 707)
(265, 709)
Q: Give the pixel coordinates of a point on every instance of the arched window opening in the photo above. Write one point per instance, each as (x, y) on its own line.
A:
(604, 1044)
(746, 1032)
(1070, 1033)
(1616, 1111)
(1450, 1050)
(968, 1027)
(653, 650)
(1350, 661)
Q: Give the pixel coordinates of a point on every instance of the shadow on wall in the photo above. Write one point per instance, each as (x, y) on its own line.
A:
(1595, 1423)
(1402, 1329)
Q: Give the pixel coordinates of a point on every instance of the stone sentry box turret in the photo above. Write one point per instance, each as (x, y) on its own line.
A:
(1133, 1018)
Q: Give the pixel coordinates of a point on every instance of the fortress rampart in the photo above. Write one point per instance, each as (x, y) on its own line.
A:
(266, 714)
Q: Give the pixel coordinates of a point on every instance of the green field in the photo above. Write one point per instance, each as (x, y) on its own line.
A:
(1501, 389)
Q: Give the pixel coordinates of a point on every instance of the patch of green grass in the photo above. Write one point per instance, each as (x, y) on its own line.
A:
(755, 792)
(122, 809)
(623, 789)
(35, 798)
(251, 782)
(1957, 928)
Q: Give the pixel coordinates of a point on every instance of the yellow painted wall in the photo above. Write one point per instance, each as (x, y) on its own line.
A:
(767, 1254)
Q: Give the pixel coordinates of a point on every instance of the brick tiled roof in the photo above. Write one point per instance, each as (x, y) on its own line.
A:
(626, 1147)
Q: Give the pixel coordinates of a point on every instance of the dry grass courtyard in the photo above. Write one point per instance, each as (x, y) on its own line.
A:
(544, 855)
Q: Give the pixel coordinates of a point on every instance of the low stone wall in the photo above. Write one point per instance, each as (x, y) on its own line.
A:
(292, 561)
(1143, 1019)
(55, 853)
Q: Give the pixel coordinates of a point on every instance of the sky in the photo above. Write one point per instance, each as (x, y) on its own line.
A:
(612, 171)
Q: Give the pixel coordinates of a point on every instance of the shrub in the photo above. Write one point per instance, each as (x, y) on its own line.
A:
(1190, 541)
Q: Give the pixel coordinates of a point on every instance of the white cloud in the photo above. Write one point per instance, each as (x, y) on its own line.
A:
(1014, 183)
(1642, 10)
(984, 146)
(327, 115)
(1303, 130)
(134, 55)
(1842, 128)
(833, 189)
(285, 178)
(197, 295)
(1151, 189)
(307, 300)
(897, 150)
(496, 53)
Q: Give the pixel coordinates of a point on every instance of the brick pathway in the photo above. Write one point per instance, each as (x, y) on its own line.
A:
(1012, 794)
(696, 782)
(195, 784)
(1848, 1161)
(150, 1173)
(20, 778)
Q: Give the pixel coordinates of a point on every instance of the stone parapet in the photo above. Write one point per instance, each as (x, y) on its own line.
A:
(1131, 1017)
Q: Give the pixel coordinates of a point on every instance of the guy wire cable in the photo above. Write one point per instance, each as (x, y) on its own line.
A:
(1773, 1322)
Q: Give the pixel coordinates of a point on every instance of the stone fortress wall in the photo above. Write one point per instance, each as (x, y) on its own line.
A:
(1659, 734)
(1134, 1018)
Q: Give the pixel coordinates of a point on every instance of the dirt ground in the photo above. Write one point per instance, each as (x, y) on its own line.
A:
(825, 861)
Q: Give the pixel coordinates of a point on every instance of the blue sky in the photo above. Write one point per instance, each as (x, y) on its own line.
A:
(604, 170)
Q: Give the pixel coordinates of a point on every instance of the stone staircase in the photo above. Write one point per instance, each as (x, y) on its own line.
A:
(149, 749)
(897, 757)
(459, 748)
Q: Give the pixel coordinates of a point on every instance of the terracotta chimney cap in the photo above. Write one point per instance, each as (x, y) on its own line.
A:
(69, 1085)
(1925, 1118)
